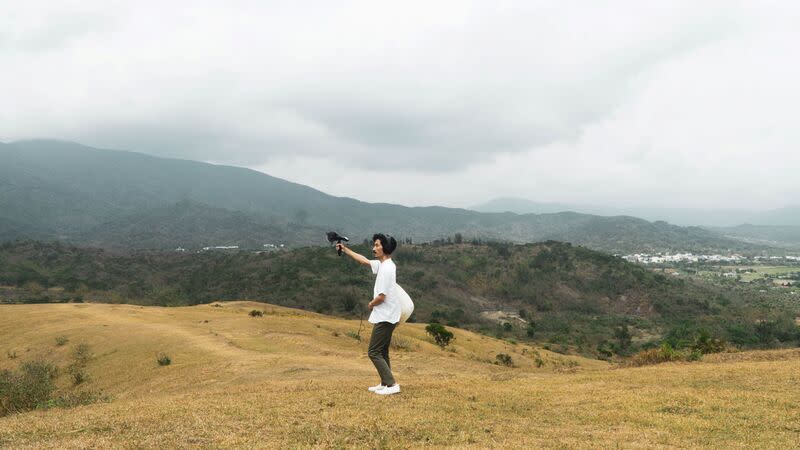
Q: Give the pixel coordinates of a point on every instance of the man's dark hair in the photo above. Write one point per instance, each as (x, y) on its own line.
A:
(388, 243)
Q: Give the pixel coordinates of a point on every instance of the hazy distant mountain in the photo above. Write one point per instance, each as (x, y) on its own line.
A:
(191, 225)
(522, 206)
(73, 193)
(786, 236)
(789, 215)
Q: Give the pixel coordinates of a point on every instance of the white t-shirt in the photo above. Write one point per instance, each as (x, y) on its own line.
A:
(389, 310)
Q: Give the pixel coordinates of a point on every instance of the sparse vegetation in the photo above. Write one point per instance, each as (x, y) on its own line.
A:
(81, 356)
(31, 385)
(401, 343)
(256, 313)
(61, 340)
(73, 399)
(277, 383)
(163, 359)
(78, 375)
(353, 335)
(661, 354)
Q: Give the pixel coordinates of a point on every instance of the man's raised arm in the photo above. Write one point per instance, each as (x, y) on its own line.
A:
(359, 258)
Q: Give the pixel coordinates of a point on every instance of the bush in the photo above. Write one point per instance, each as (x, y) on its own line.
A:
(705, 344)
(61, 340)
(256, 313)
(664, 353)
(28, 387)
(78, 375)
(440, 334)
(164, 359)
(82, 354)
(12, 354)
(80, 358)
(505, 359)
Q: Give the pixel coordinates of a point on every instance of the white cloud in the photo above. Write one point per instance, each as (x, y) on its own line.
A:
(602, 102)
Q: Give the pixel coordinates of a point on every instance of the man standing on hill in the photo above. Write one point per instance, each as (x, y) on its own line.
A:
(385, 308)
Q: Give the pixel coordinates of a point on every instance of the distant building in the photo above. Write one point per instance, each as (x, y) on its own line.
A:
(222, 247)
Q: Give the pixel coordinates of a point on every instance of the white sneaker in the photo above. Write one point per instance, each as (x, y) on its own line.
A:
(389, 390)
(376, 388)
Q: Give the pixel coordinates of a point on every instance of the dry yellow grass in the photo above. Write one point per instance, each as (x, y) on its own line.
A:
(295, 379)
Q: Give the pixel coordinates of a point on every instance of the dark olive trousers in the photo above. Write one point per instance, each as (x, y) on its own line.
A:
(379, 350)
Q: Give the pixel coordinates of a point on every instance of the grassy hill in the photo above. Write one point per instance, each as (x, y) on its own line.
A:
(51, 190)
(575, 299)
(293, 378)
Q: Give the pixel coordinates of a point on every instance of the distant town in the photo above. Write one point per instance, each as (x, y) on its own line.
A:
(666, 258)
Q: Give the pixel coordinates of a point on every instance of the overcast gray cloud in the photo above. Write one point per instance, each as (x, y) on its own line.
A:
(603, 102)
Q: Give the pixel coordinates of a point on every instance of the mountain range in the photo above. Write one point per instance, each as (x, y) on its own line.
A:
(787, 216)
(55, 190)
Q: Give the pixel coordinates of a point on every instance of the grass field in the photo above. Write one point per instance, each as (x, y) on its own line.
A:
(297, 379)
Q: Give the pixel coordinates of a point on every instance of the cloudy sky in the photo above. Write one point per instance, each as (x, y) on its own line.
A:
(683, 104)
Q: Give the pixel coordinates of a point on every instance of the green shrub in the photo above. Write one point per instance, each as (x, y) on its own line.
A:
(26, 388)
(163, 359)
(705, 344)
(505, 359)
(440, 334)
(61, 340)
(256, 313)
(12, 354)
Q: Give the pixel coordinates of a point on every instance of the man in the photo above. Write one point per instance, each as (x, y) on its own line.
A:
(385, 308)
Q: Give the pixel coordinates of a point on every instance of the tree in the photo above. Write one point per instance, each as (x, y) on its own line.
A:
(458, 238)
(440, 334)
(623, 336)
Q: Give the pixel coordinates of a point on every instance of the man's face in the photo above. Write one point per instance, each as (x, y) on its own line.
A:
(377, 248)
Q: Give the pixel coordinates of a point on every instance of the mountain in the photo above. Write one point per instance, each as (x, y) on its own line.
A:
(787, 236)
(789, 215)
(523, 206)
(55, 190)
